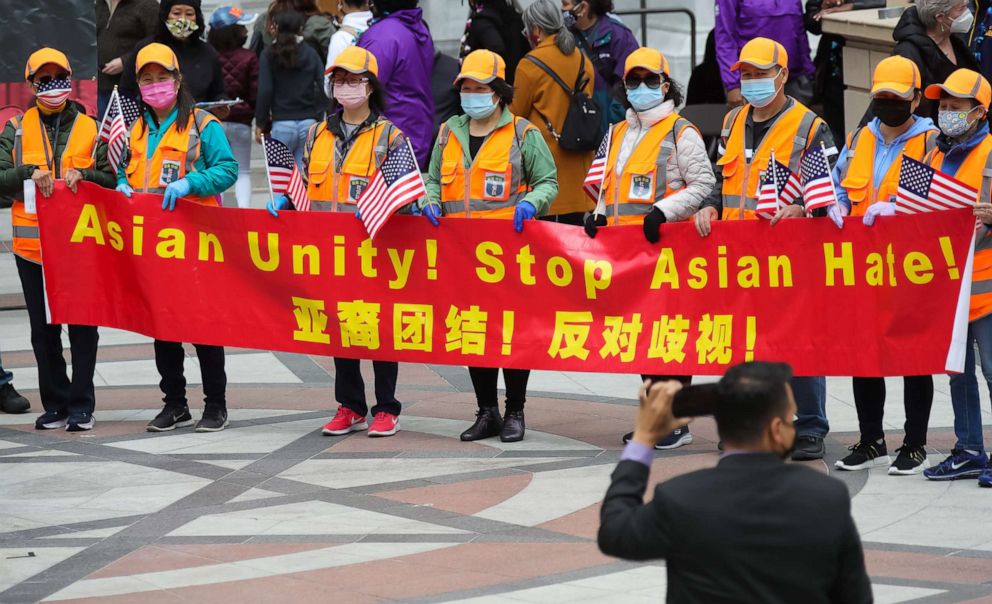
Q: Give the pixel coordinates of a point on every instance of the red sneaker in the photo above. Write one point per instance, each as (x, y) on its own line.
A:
(384, 424)
(345, 421)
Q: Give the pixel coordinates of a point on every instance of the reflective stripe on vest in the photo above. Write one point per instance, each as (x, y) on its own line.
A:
(333, 179)
(858, 176)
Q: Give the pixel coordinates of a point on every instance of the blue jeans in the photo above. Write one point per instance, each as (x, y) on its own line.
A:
(293, 134)
(964, 386)
(5, 376)
(811, 401)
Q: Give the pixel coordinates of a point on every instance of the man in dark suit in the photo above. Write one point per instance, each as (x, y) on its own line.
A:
(752, 529)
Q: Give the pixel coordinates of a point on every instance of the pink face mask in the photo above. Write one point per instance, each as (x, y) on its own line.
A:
(159, 95)
(350, 95)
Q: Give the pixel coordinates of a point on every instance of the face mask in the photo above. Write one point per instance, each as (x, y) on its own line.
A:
(478, 105)
(568, 17)
(954, 123)
(643, 98)
(962, 24)
(759, 92)
(350, 96)
(181, 28)
(159, 95)
(892, 112)
(53, 95)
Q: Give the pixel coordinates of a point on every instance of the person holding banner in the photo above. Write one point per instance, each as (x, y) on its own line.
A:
(53, 140)
(490, 163)
(341, 157)
(964, 151)
(770, 124)
(868, 172)
(179, 151)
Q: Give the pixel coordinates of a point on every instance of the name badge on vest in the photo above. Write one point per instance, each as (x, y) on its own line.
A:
(170, 172)
(356, 186)
(495, 186)
(641, 187)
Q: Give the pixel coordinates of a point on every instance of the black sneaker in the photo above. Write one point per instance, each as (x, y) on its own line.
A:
(11, 401)
(170, 418)
(911, 460)
(51, 420)
(864, 455)
(809, 448)
(213, 420)
(678, 438)
(80, 422)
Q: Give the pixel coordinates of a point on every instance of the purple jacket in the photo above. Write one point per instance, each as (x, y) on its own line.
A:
(738, 21)
(609, 42)
(403, 47)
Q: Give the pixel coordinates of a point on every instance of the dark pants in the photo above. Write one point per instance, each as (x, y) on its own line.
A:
(169, 358)
(58, 393)
(102, 100)
(349, 387)
(485, 380)
(574, 218)
(685, 379)
(869, 399)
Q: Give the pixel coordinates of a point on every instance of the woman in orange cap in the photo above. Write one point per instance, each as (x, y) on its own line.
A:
(490, 163)
(341, 157)
(54, 139)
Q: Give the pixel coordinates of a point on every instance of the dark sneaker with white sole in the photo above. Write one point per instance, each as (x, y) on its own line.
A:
(80, 422)
(864, 455)
(809, 448)
(911, 460)
(960, 464)
(51, 420)
(678, 438)
(11, 401)
(213, 420)
(170, 418)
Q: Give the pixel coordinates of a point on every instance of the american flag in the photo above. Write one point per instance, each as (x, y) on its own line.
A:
(597, 171)
(779, 188)
(284, 175)
(116, 127)
(396, 184)
(818, 185)
(924, 189)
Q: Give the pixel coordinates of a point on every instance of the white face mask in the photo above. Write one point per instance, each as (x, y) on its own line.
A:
(962, 24)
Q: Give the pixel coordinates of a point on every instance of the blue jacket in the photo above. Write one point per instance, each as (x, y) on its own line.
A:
(608, 43)
(954, 154)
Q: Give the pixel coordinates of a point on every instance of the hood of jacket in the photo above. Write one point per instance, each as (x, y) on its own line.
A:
(409, 19)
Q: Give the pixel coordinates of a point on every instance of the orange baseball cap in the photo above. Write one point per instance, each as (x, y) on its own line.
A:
(646, 58)
(483, 66)
(762, 53)
(897, 75)
(156, 53)
(355, 60)
(964, 84)
(42, 57)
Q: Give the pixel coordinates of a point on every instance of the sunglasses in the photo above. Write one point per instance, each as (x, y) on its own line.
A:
(652, 81)
(48, 79)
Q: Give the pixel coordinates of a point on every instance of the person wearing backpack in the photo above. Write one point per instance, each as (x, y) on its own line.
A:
(354, 21)
(551, 79)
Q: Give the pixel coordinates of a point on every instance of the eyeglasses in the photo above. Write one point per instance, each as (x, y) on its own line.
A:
(652, 81)
(349, 81)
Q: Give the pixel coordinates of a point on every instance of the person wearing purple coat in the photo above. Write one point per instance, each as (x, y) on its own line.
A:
(400, 40)
(737, 22)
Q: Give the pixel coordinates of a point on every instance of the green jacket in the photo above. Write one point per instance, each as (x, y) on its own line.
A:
(12, 177)
(539, 164)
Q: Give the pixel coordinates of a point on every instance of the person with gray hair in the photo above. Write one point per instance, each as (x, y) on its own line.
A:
(923, 35)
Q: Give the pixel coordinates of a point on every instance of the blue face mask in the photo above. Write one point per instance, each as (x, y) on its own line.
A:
(759, 92)
(643, 98)
(478, 105)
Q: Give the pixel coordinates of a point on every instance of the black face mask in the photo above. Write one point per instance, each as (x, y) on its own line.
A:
(892, 112)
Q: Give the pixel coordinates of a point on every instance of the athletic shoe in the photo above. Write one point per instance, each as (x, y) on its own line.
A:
(170, 418)
(384, 424)
(678, 438)
(911, 460)
(11, 401)
(214, 420)
(985, 480)
(809, 448)
(345, 421)
(864, 455)
(51, 420)
(80, 422)
(960, 464)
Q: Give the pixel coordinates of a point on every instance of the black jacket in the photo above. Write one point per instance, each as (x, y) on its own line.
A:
(497, 27)
(119, 33)
(752, 529)
(913, 43)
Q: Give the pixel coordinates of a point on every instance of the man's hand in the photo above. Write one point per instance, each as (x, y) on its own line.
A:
(43, 182)
(793, 210)
(734, 98)
(983, 212)
(113, 67)
(72, 178)
(836, 7)
(221, 112)
(703, 219)
(654, 417)
(259, 133)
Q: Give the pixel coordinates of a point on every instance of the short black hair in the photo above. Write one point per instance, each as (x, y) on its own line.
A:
(227, 37)
(381, 7)
(599, 7)
(751, 395)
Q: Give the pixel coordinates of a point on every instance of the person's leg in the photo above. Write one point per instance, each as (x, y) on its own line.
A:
(385, 414)
(917, 399)
(169, 357)
(488, 422)
(239, 135)
(869, 400)
(811, 422)
(10, 400)
(46, 341)
(678, 437)
(302, 127)
(214, 375)
(6, 377)
(83, 341)
(349, 390)
(284, 131)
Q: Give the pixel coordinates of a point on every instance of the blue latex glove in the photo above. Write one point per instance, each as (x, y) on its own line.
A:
(174, 191)
(525, 210)
(882, 208)
(433, 212)
(358, 214)
(415, 209)
(125, 189)
(279, 203)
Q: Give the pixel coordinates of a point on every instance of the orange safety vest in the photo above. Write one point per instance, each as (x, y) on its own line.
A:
(32, 147)
(788, 137)
(493, 184)
(858, 175)
(174, 158)
(334, 183)
(647, 166)
(976, 171)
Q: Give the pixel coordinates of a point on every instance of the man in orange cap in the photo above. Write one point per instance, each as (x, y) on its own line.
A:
(53, 140)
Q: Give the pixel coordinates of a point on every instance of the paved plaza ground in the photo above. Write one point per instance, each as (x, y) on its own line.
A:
(271, 511)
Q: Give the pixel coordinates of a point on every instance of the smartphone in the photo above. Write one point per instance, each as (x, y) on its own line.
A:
(696, 401)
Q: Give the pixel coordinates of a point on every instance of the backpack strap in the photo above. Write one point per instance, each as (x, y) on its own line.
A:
(544, 67)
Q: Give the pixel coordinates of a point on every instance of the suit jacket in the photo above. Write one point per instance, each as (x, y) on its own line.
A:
(752, 529)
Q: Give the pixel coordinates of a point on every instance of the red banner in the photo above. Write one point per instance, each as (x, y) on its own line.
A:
(886, 300)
